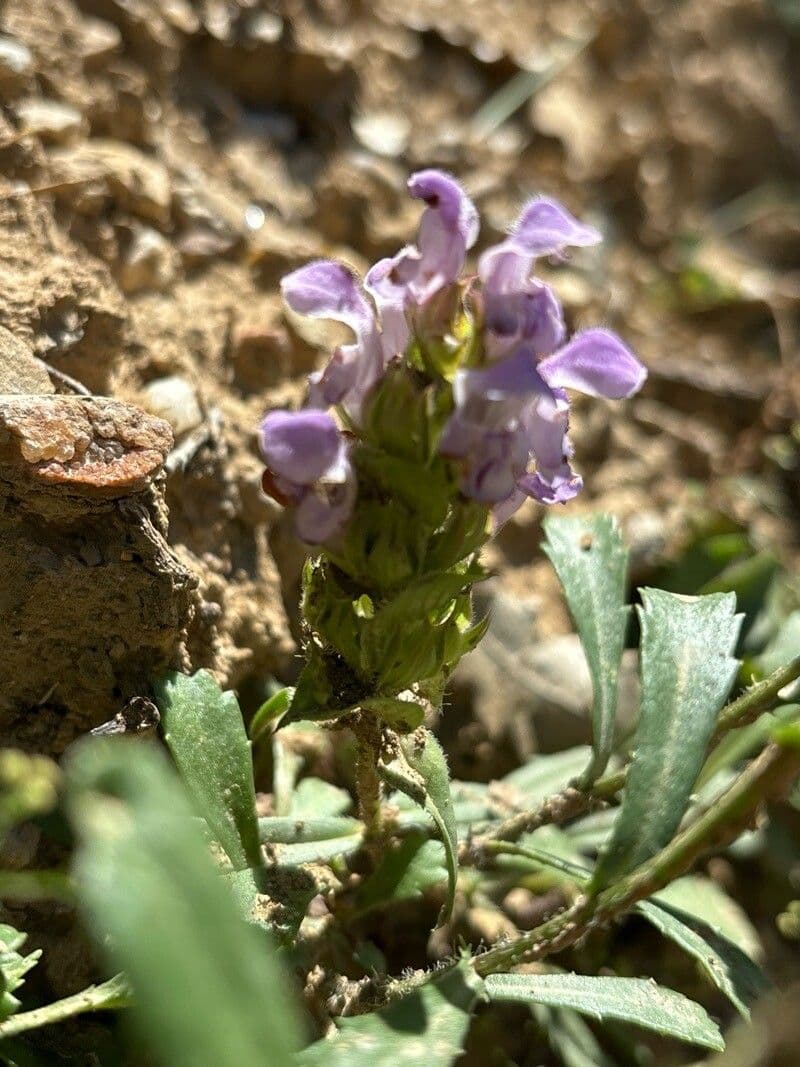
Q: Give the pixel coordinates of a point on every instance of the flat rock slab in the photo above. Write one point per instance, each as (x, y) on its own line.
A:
(89, 446)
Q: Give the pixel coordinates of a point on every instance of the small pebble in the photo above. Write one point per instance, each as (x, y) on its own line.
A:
(174, 399)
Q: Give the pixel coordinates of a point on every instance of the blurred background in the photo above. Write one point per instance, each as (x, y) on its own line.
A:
(164, 162)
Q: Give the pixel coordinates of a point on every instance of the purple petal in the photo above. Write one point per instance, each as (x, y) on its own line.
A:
(445, 196)
(532, 313)
(546, 425)
(492, 471)
(390, 298)
(517, 375)
(597, 363)
(503, 511)
(449, 226)
(325, 508)
(325, 289)
(558, 489)
(300, 446)
(545, 228)
(546, 421)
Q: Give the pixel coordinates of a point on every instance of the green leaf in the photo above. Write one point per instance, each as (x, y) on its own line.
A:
(428, 784)
(723, 962)
(207, 987)
(205, 733)
(570, 1037)
(542, 776)
(286, 767)
(428, 1026)
(687, 670)
(272, 709)
(632, 1000)
(316, 797)
(112, 994)
(13, 968)
(591, 561)
(289, 830)
(406, 871)
(705, 900)
(783, 647)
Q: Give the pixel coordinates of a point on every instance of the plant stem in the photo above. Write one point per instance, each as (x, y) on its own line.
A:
(571, 802)
(768, 776)
(368, 784)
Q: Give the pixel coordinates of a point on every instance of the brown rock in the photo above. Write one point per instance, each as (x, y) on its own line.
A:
(20, 371)
(93, 601)
(90, 445)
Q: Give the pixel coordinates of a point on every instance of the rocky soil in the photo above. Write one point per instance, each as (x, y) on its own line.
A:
(164, 162)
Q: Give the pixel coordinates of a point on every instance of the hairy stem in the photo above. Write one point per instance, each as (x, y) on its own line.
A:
(572, 801)
(368, 784)
(769, 776)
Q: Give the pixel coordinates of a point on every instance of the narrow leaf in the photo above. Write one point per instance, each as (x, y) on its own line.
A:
(406, 871)
(571, 1038)
(591, 561)
(427, 1027)
(272, 709)
(632, 1000)
(286, 830)
(428, 784)
(707, 901)
(687, 670)
(207, 987)
(205, 733)
(723, 962)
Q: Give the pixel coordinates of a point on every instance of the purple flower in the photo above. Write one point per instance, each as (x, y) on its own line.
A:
(508, 433)
(308, 467)
(409, 280)
(325, 289)
(516, 411)
(516, 307)
(398, 286)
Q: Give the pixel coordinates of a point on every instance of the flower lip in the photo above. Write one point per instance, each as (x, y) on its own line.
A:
(325, 289)
(597, 363)
(300, 446)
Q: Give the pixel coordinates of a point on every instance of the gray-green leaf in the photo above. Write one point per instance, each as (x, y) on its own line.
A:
(687, 670)
(632, 1000)
(427, 1027)
(13, 967)
(723, 962)
(407, 869)
(591, 561)
(207, 987)
(428, 784)
(204, 730)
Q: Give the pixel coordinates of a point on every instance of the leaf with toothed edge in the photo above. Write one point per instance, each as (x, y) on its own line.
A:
(638, 1001)
(591, 561)
(205, 733)
(687, 668)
